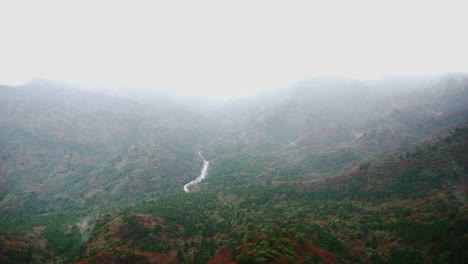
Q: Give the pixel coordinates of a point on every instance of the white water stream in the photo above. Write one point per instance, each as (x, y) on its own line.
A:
(202, 176)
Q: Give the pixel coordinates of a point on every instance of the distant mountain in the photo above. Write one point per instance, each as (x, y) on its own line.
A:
(322, 127)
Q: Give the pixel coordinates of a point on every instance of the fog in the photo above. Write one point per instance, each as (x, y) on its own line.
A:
(233, 131)
(222, 49)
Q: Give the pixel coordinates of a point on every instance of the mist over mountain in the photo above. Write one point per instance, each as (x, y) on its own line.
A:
(81, 147)
(329, 169)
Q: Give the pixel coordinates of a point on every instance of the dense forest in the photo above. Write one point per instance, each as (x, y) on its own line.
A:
(329, 170)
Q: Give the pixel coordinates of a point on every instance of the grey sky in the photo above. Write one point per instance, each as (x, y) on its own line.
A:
(227, 47)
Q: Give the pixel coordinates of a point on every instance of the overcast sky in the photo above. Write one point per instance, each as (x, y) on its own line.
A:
(227, 47)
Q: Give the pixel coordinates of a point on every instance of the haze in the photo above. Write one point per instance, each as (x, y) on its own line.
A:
(221, 48)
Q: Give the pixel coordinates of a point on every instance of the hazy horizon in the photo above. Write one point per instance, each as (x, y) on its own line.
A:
(217, 131)
(227, 49)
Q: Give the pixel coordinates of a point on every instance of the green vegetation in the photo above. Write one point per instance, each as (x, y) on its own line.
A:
(318, 178)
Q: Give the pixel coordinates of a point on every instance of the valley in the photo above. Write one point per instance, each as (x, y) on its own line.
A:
(328, 170)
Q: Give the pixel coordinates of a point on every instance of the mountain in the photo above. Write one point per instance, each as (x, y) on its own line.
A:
(403, 209)
(330, 170)
(67, 148)
(315, 131)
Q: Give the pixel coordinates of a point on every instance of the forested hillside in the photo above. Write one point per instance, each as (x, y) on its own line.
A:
(67, 154)
(400, 210)
(316, 131)
(330, 170)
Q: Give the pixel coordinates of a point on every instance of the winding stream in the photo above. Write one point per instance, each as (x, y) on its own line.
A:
(202, 176)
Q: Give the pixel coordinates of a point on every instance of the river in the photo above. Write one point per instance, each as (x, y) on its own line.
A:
(202, 176)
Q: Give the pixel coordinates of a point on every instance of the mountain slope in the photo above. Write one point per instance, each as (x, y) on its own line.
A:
(396, 210)
(330, 170)
(66, 148)
(316, 134)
